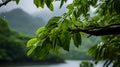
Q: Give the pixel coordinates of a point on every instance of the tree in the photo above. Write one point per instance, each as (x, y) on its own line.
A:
(12, 44)
(59, 30)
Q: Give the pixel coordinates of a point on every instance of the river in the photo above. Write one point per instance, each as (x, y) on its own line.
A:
(69, 63)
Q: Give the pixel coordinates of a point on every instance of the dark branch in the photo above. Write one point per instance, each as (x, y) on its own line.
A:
(4, 3)
(99, 31)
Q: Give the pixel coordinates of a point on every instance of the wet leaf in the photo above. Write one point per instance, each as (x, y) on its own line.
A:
(77, 39)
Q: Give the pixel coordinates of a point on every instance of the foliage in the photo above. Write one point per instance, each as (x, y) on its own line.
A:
(86, 64)
(11, 43)
(17, 1)
(58, 31)
(108, 50)
(80, 53)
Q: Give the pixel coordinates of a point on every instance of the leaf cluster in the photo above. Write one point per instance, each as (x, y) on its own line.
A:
(52, 36)
(48, 3)
(85, 63)
(56, 32)
(108, 50)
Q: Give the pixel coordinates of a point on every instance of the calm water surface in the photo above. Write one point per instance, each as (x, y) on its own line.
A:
(69, 63)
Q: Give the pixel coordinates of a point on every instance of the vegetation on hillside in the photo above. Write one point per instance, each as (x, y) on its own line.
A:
(21, 21)
(13, 48)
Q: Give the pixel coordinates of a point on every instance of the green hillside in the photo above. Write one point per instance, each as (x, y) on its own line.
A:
(12, 44)
(13, 47)
(22, 21)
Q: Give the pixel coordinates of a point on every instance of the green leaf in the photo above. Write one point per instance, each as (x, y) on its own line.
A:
(17, 1)
(53, 34)
(77, 39)
(96, 17)
(93, 2)
(62, 2)
(39, 3)
(42, 51)
(49, 5)
(92, 50)
(54, 42)
(30, 51)
(103, 51)
(64, 40)
(58, 42)
(70, 6)
(73, 18)
(52, 22)
(41, 29)
(43, 35)
(65, 25)
(31, 42)
(56, 49)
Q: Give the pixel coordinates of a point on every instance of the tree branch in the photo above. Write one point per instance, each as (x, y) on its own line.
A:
(4, 3)
(99, 31)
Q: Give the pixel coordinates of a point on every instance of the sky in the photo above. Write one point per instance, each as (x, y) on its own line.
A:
(28, 6)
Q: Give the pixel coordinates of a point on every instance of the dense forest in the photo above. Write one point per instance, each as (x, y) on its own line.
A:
(12, 46)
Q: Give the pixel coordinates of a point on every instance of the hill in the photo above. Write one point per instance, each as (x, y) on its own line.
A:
(23, 22)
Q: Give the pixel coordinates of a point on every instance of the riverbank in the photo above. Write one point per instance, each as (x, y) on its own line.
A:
(68, 63)
(32, 63)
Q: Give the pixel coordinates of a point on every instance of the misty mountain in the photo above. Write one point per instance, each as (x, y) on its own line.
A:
(23, 22)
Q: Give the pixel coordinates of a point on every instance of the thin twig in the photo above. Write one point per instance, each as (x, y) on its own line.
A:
(7, 1)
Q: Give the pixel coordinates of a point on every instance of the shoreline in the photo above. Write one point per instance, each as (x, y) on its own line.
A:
(30, 63)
